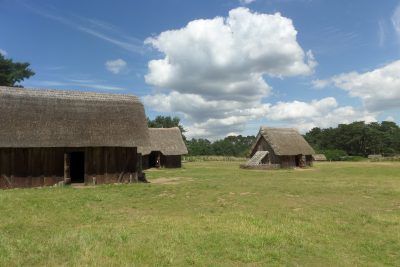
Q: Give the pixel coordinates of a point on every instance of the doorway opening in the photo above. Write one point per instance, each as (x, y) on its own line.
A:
(155, 159)
(300, 162)
(297, 160)
(77, 167)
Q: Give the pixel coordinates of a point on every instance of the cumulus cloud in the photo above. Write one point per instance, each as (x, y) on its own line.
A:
(232, 116)
(115, 66)
(213, 70)
(298, 109)
(235, 51)
(209, 118)
(3, 52)
(323, 113)
(379, 89)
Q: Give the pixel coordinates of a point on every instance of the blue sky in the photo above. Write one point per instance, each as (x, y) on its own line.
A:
(224, 76)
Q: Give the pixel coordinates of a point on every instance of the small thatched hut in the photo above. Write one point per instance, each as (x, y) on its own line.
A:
(281, 148)
(52, 136)
(165, 150)
(375, 156)
(319, 157)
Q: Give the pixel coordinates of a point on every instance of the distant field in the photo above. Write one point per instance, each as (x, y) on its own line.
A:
(211, 214)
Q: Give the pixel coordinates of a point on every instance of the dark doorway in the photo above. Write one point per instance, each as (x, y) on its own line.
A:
(298, 158)
(155, 159)
(77, 167)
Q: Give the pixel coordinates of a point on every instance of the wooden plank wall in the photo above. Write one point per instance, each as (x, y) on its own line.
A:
(107, 164)
(31, 167)
(34, 167)
(288, 161)
(171, 161)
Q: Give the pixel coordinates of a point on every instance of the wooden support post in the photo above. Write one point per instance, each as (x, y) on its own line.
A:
(139, 164)
(67, 162)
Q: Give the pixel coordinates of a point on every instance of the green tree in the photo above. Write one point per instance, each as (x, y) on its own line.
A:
(11, 73)
(357, 139)
(199, 147)
(166, 122)
(237, 146)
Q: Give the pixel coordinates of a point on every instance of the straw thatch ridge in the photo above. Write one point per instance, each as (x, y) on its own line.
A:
(55, 118)
(285, 141)
(168, 141)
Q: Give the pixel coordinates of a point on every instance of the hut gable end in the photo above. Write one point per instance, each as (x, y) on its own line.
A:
(283, 141)
(168, 141)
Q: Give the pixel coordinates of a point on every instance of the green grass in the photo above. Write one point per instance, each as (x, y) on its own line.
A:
(211, 214)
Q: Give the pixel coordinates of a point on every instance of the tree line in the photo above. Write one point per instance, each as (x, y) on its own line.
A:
(236, 146)
(356, 139)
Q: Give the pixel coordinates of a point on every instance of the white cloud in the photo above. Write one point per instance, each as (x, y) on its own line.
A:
(246, 2)
(298, 110)
(317, 113)
(214, 69)
(396, 19)
(319, 84)
(217, 118)
(379, 89)
(116, 66)
(390, 118)
(3, 52)
(235, 51)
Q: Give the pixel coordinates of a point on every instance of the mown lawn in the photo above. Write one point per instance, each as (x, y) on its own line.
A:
(211, 214)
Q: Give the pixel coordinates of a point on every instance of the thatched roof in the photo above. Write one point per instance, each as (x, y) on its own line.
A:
(168, 141)
(319, 157)
(285, 141)
(55, 118)
(375, 156)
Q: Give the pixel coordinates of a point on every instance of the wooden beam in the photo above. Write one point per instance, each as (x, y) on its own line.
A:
(67, 164)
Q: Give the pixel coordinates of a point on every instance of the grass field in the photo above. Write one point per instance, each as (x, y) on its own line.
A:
(211, 214)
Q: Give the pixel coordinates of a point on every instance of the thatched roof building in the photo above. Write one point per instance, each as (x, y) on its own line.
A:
(285, 146)
(375, 156)
(319, 157)
(285, 141)
(54, 118)
(166, 146)
(47, 136)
